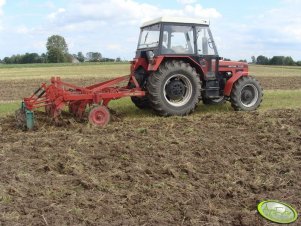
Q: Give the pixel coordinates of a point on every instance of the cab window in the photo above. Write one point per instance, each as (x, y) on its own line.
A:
(177, 40)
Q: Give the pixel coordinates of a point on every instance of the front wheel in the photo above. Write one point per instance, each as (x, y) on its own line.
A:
(246, 94)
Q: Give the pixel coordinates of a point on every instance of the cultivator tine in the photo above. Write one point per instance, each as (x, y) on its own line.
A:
(24, 118)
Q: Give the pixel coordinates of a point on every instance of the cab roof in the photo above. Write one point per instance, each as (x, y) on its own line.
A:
(180, 20)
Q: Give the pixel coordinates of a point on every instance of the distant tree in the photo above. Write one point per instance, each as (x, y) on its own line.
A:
(55, 56)
(253, 59)
(57, 49)
(118, 59)
(29, 58)
(289, 61)
(7, 60)
(298, 63)
(94, 56)
(107, 60)
(43, 58)
(80, 57)
(245, 61)
(227, 59)
(277, 60)
(262, 60)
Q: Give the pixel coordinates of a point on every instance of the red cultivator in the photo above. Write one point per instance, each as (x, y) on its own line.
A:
(58, 95)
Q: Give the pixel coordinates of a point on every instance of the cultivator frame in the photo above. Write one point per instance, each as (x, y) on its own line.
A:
(59, 94)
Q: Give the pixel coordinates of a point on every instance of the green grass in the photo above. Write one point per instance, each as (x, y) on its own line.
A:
(8, 108)
(273, 99)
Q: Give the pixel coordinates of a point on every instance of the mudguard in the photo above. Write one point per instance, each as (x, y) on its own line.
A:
(231, 81)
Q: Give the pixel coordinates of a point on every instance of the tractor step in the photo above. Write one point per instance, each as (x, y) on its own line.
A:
(212, 89)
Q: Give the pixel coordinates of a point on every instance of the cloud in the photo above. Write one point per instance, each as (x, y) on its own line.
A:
(58, 13)
(2, 3)
(186, 2)
(273, 32)
(125, 12)
(112, 26)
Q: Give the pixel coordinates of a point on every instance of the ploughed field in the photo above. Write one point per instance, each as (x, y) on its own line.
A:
(209, 168)
(16, 89)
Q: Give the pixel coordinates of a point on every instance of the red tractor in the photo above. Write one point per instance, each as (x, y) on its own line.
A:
(176, 66)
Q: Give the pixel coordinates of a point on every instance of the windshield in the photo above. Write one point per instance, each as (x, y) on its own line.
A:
(149, 37)
(177, 39)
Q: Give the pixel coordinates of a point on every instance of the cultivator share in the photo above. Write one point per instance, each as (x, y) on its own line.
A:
(176, 65)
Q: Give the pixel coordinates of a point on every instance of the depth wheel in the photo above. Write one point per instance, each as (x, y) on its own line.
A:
(246, 94)
(99, 116)
(174, 89)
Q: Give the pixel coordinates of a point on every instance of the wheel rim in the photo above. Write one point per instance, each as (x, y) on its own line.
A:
(177, 90)
(249, 95)
(99, 116)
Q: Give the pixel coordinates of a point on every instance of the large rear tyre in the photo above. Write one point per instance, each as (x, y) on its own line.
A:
(174, 89)
(246, 94)
(141, 102)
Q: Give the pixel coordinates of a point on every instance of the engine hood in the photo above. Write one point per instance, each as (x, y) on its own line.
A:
(232, 64)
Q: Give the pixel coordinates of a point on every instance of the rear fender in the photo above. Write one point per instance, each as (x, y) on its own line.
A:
(155, 64)
(137, 63)
(160, 59)
(231, 81)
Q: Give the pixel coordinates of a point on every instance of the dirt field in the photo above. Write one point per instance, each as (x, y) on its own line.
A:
(208, 169)
(16, 90)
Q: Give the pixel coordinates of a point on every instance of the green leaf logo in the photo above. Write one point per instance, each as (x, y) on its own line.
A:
(277, 212)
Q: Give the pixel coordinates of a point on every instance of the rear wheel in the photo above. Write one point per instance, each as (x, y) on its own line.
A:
(246, 94)
(174, 89)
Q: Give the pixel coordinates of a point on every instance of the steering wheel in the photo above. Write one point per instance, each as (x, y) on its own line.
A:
(210, 43)
(167, 51)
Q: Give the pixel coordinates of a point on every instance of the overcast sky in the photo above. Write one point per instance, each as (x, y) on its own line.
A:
(241, 28)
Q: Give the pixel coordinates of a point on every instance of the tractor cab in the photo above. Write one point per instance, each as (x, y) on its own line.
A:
(182, 38)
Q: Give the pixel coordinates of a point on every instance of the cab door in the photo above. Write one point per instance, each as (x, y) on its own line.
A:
(207, 52)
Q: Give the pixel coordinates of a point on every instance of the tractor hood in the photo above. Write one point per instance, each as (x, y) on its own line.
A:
(233, 64)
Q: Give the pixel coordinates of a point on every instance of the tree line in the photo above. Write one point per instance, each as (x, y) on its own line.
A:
(275, 60)
(57, 52)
